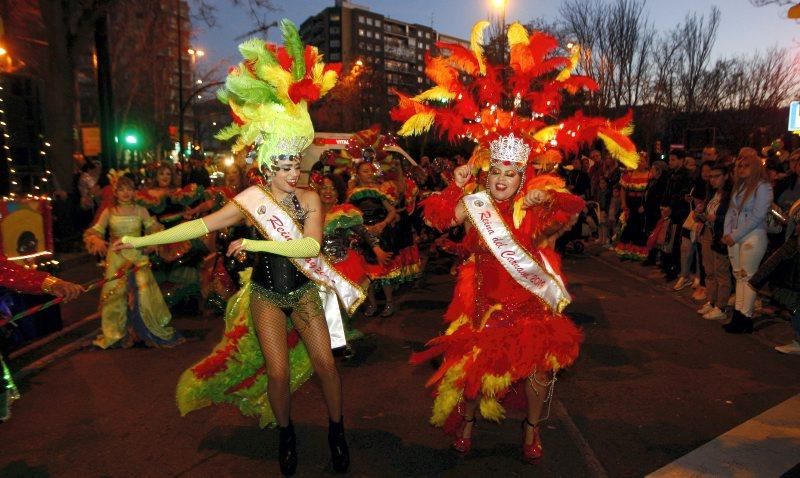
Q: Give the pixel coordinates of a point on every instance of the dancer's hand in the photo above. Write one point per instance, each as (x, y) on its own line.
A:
(65, 289)
(383, 256)
(119, 246)
(461, 175)
(534, 197)
(235, 247)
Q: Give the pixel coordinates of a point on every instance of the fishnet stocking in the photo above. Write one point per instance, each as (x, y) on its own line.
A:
(309, 320)
(270, 324)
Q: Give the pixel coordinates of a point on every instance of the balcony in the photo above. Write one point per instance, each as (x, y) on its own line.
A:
(399, 53)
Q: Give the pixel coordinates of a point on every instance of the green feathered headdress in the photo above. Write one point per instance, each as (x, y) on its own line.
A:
(269, 93)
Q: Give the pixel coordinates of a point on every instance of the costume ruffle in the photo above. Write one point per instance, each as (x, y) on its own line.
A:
(363, 192)
(342, 216)
(234, 372)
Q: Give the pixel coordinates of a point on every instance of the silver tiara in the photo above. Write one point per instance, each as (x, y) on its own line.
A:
(291, 146)
(510, 149)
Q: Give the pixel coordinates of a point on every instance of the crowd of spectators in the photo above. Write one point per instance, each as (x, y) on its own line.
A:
(709, 221)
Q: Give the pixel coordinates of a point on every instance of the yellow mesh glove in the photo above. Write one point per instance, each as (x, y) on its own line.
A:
(181, 232)
(305, 247)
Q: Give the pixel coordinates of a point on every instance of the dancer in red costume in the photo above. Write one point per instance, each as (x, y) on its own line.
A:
(506, 326)
(26, 281)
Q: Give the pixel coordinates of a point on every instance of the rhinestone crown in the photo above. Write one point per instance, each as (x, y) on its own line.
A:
(292, 146)
(510, 149)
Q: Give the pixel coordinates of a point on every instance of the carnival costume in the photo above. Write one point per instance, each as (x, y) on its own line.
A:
(176, 267)
(17, 278)
(132, 308)
(633, 239)
(268, 95)
(505, 319)
(369, 146)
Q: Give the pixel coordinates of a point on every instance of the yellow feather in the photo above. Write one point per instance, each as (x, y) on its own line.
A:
(417, 124)
(438, 93)
(329, 80)
(517, 35)
(548, 133)
(628, 158)
(489, 313)
(519, 212)
(280, 79)
(317, 72)
(573, 62)
(476, 44)
(628, 130)
(448, 393)
(456, 324)
(491, 384)
(491, 409)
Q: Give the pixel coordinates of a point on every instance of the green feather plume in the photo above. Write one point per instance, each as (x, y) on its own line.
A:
(222, 96)
(251, 89)
(294, 47)
(228, 132)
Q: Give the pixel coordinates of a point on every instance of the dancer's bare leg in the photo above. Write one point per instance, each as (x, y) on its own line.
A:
(536, 390)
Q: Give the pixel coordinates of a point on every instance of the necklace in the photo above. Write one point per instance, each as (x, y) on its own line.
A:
(124, 203)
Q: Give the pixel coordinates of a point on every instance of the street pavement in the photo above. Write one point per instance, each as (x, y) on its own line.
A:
(654, 382)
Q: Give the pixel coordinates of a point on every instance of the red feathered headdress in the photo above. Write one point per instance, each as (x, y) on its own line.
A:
(471, 100)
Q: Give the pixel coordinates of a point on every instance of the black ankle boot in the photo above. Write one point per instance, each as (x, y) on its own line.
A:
(739, 324)
(287, 450)
(340, 456)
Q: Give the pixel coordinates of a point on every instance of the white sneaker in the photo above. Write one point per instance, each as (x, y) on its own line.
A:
(681, 284)
(705, 308)
(696, 283)
(715, 314)
(792, 348)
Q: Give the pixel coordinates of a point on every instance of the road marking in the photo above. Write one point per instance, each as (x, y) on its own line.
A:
(766, 445)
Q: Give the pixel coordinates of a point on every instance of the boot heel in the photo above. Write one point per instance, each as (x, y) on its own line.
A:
(287, 450)
(340, 455)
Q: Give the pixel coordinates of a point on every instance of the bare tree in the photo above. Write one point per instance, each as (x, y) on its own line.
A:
(697, 35)
(617, 40)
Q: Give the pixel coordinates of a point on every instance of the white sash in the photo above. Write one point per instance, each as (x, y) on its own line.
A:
(276, 224)
(533, 272)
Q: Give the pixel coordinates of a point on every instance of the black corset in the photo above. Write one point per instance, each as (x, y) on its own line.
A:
(276, 273)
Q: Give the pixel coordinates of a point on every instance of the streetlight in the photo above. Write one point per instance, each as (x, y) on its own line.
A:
(195, 54)
(501, 6)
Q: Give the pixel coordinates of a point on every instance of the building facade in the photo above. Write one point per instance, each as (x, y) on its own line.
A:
(378, 54)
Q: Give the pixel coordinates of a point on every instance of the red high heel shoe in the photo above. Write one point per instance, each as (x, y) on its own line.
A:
(533, 452)
(463, 445)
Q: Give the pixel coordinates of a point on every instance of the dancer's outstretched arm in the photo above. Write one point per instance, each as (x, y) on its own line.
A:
(307, 246)
(225, 217)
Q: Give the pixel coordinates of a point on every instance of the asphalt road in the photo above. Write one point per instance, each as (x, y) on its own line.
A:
(654, 381)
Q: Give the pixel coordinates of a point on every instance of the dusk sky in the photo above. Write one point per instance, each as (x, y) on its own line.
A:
(744, 28)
